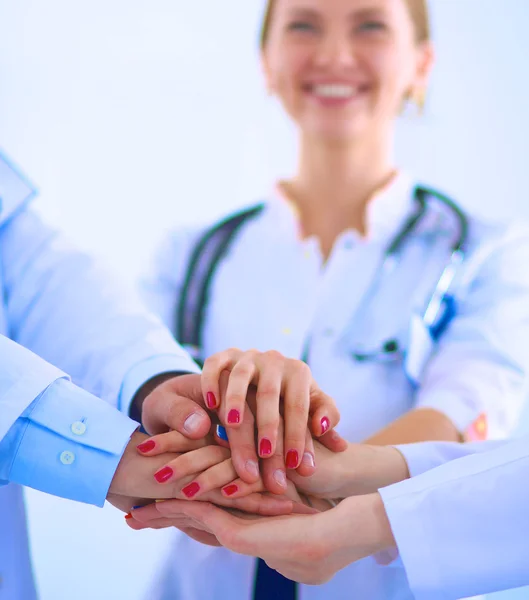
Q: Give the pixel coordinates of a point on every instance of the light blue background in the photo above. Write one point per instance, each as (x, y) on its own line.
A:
(117, 105)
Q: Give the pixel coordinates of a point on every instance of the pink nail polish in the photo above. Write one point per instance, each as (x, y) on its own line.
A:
(163, 475)
(211, 401)
(234, 417)
(324, 425)
(191, 490)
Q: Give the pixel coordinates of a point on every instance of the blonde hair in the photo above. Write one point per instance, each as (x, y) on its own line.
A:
(418, 10)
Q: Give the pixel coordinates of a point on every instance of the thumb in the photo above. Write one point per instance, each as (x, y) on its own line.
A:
(177, 404)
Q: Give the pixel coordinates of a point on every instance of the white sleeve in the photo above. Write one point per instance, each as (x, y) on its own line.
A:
(481, 364)
(424, 456)
(461, 529)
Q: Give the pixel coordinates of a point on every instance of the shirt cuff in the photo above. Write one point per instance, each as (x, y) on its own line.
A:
(147, 369)
(426, 456)
(68, 443)
(411, 536)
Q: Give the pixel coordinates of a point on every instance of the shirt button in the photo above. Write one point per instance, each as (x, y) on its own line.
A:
(67, 457)
(329, 332)
(286, 331)
(78, 428)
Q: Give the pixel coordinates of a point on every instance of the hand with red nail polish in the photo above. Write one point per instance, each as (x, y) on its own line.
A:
(284, 390)
(360, 469)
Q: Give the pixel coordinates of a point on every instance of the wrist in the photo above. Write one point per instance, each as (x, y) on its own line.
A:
(366, 527)
(365, 469)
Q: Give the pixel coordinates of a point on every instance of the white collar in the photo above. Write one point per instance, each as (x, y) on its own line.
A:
(386, 212)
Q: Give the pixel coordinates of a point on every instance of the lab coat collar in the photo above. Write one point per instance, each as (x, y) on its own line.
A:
(386, 211)
(15, 189)
(389, 208)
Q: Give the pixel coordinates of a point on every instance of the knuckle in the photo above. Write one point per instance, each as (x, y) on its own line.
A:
(178, 411)
(237, 398)
(246, 448)
(297, 411)
(243, 368)
(269, 422)
(294, 442)
(233, 352)
(267, 392)
(274, 356)
(303, 369)
(182, 466)
(213, 362)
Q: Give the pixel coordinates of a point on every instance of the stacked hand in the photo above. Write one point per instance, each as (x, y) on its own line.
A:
(277, 452)
(186, 459)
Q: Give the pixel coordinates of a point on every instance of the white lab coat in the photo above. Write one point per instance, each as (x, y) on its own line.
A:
(462, 528)
(273, 291)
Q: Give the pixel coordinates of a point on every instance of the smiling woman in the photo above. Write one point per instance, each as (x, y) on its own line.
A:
(365, 58)
(314, 273)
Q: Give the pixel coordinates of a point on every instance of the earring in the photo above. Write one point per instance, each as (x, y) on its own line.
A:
(418, 97)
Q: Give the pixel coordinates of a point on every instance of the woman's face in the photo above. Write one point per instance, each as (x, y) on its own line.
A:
(342, 68)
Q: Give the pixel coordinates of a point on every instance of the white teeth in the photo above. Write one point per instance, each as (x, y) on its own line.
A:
(334, 90)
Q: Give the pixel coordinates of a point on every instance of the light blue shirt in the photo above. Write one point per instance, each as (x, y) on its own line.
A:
(462, 527)
(63, 317)
(75, 442)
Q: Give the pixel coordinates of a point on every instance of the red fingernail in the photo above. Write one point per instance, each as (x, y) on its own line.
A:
(146, 446)
(229, 490)
(324, 425)
(163, 475)
(128, 516)
(191, 490)
(292, 459)
(265, 447)
(211, 401)
(234, 416)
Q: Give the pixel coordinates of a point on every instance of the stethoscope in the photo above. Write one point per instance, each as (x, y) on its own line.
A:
(441, 306)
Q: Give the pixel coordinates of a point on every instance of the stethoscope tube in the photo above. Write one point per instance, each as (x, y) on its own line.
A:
(438, 304)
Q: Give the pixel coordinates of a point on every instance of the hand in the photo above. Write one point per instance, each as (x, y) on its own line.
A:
(148, 517)
(308, 549)
(175, 403)
(361, 469)
(134, 479)
(276, 378)
(243, 458)
(202, 466)
(199, 471)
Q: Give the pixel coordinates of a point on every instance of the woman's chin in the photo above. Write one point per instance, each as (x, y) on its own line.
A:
(344, 134)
